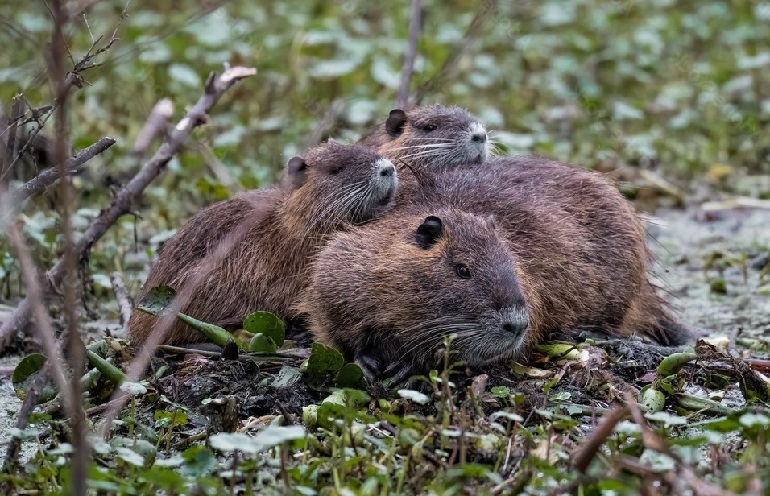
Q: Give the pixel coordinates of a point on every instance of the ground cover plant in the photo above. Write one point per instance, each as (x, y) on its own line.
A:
(155, 109)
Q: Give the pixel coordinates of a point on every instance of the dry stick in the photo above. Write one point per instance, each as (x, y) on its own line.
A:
(43, 328)
(326, 122)
(156, 123)
(73, 78)
(48, 177)
(121, 203)
(582, 456)
(451, 61)
(163, 324)
(415, 23)
(124, 304)
(22, 419)
(75, 348)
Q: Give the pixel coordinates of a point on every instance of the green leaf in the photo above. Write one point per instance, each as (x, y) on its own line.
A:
(501, 391)
(262, 343)
(323, 360)
(672, 363)
(415, 396)
(266, 323)
(351, 376)
(265, 439)
(651, 399)
(157, 300)
(26, 371)
(178, 417)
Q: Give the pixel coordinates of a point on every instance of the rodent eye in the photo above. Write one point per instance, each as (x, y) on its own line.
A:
(429, 127)
(336, 171)
(463, 271)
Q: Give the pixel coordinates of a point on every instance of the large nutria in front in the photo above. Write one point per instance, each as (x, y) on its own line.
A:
(615, 238)
(333, 186)
(387, 293)
(429, 139)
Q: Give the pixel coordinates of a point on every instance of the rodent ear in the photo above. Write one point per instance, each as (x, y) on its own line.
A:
(395, 123)
(429, 232)
(296, 170)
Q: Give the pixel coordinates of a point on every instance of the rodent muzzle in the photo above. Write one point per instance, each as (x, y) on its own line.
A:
(479, 138)
(515, 320)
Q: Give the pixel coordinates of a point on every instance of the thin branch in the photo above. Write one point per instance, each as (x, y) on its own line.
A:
(49, 176)
(326, 122)
(121, 203)
(74, 343)
(488, 9)
(415, 23)
(124, 304)
(44, 330)
(156, 123)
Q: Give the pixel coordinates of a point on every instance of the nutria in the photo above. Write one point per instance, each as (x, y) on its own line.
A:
(378, 292)
(368, 291)
(614, 237)
(332, 186)
(429, 139)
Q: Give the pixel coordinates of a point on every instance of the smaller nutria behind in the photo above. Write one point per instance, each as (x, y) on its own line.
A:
(429, 139)
(334, 185)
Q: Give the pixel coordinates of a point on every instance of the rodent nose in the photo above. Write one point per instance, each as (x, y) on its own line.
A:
(479, 137)
(387, 170)
(515, 320)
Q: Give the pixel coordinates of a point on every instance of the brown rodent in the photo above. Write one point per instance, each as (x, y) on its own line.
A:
(386, 293)
(429, 139)
(615, 238)
(333, 186)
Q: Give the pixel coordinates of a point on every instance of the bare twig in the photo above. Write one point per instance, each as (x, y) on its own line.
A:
(582, 456)
(124, 304)
(156, 123)
(75, 348)
(49, 176)
(121, 203)
(73, 78)
(476, 26)
(415, 23)
(326, 122)
(43, 328)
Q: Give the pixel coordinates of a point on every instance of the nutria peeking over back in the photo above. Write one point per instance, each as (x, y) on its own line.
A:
(333, 186)
(432, 138)
(387, 293)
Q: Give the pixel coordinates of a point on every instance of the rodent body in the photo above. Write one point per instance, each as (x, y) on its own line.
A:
(386, 293)
(577, 249)
(334, 186)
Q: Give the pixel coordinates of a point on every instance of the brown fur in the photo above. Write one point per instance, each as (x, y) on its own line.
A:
(407, 138)
(341, 184)
(614, 243)
(382, 300)
(577, 246)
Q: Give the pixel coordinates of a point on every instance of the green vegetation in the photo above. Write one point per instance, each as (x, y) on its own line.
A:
(648, 89)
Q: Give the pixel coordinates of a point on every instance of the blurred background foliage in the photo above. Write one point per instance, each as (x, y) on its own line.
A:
(677, 87)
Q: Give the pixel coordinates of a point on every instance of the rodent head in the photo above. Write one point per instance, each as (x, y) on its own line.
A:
(470, 287)
(434, 137)
(336, 183)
